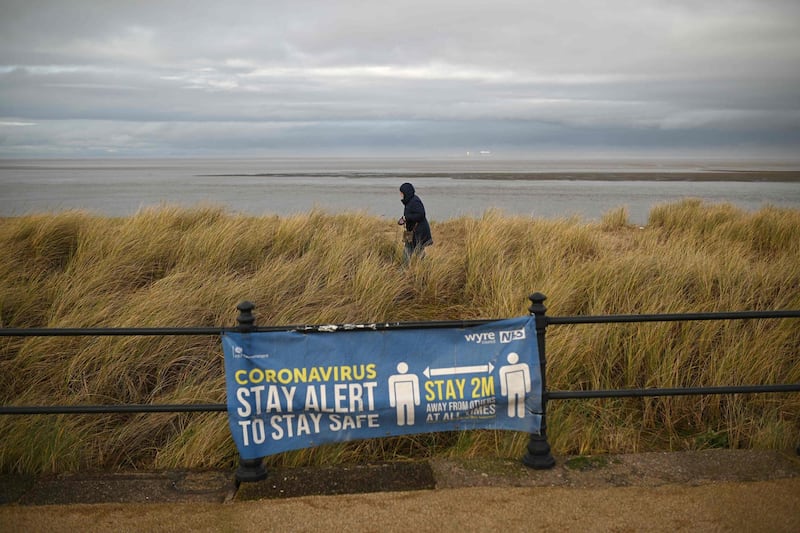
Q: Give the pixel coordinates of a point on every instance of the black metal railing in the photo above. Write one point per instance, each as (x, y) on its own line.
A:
(538, 451)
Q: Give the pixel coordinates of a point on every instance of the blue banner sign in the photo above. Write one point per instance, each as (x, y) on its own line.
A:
(290, 390)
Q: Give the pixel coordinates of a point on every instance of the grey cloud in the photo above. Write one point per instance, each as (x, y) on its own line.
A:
(242, 76)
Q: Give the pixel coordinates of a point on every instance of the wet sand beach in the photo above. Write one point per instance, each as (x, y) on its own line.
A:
(789, 176)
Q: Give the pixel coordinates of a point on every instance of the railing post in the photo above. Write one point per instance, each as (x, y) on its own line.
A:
(250, 470)
(538, 455)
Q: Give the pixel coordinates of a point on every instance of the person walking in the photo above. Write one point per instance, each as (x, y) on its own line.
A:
(418, 232)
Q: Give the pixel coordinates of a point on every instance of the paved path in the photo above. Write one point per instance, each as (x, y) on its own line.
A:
(719, 490)
(769, 506)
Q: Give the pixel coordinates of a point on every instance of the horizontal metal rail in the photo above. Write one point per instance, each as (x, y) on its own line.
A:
(688, 391)
(106, 332)
(111, 409)
(327, 328)
(677, 317)
(318, 328)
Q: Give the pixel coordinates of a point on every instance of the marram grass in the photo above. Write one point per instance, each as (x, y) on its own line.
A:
(190, 267)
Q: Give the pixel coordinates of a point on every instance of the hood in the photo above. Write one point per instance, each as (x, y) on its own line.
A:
(408, 192)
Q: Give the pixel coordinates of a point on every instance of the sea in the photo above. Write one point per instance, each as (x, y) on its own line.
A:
(449, 187)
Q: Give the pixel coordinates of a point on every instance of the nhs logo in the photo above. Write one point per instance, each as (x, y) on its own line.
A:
(513, 335)
(490, 337)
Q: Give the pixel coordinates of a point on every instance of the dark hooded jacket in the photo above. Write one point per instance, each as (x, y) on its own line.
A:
(414, 214)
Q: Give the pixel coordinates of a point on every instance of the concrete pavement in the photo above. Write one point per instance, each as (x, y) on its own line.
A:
(714, 490)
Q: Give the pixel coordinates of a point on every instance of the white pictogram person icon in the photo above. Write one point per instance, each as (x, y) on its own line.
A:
(515, 382)
(404, 394)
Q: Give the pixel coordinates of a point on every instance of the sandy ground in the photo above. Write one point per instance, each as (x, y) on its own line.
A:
(708, 175)
(772, 506)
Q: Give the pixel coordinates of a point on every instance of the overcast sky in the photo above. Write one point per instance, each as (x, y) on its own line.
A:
(382, 77)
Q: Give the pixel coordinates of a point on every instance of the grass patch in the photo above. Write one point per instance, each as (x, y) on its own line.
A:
(190, 267)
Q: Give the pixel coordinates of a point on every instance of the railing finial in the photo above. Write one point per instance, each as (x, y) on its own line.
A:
(245, 319)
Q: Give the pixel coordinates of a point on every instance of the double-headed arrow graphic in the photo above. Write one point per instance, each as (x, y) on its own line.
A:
(455, 370)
